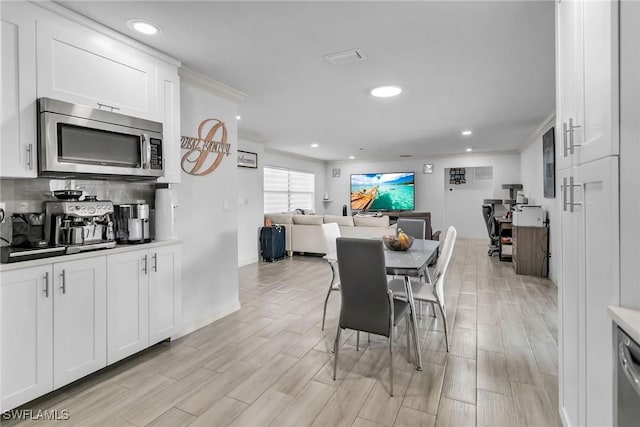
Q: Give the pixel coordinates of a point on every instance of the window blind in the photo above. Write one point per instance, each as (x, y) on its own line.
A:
(286, 190)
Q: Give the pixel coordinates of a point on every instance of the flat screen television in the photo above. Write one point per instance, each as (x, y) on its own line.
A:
(383, 191)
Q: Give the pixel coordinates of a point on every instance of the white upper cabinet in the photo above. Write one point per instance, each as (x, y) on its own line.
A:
(587, 43)
(169, 94)
(18, 138)
(79, 65)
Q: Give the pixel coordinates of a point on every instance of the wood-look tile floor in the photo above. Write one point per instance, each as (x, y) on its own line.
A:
(270, 364)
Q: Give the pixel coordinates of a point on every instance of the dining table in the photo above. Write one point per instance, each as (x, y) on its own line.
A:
(413, 262)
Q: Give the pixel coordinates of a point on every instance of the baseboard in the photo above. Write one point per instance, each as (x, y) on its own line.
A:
(242, 263)
(201, 323)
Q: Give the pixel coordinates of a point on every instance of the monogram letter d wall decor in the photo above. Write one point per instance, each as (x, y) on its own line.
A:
(212, 139)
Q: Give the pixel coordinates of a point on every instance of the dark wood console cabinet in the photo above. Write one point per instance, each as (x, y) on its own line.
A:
(530, 251)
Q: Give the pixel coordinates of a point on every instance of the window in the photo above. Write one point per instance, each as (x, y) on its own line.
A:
(287, 190)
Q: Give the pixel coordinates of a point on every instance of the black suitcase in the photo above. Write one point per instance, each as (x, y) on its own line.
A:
(272, 243)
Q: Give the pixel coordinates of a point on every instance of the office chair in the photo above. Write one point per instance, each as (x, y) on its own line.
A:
(490, 222)
(367, 303)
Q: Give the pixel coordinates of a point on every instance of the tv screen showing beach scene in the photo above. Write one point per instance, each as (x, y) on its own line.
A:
(383, 191)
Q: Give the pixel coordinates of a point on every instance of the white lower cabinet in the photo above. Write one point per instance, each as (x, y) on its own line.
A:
(143, 298)
(26, 335)
(79, 319)
(590, 282)
(128, 304)
(165, 293)
(62, 321)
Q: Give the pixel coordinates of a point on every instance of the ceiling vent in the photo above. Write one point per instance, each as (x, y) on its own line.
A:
(346, 57)
(406, 155)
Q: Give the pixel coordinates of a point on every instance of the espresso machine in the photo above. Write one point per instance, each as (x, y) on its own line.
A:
(79, 225)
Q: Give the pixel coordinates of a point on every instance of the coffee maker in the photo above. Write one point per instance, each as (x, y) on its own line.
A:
(132, 223)
(79, 225)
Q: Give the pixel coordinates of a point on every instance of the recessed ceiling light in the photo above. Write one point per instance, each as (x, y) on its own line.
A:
(144, 27)
(314, 145)
(238, 117)
(466, 132)
(352, 157)
(469, 150)
(385, 91)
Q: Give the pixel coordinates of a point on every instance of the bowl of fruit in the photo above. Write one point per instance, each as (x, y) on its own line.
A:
(400, 242)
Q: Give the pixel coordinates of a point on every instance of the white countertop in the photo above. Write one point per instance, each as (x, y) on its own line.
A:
(627, 319)
(89, 254)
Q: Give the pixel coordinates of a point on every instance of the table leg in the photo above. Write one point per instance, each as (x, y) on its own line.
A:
(412, 305)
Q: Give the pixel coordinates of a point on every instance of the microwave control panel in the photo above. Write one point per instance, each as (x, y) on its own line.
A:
(155, 162)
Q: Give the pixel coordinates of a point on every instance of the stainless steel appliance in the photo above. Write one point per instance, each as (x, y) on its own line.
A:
(628, 381)
(79, 225)
(132, 223)
(27, 230)
(74, 140)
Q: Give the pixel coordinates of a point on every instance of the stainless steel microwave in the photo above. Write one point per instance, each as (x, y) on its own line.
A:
(76, 141)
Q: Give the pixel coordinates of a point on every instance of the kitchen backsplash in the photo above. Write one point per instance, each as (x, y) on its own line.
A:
(27, 195)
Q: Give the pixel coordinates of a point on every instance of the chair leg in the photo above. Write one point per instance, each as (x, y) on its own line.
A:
(326, 300)
(444, 323)
(433, 309)
(357, 340)
(406, 326)
(391, 363)
(335, 354)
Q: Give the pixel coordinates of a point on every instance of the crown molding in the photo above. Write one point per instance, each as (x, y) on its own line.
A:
(253, 137)
(210, 85)
(537, 133)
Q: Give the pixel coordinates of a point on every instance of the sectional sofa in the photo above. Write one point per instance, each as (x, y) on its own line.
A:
(304, 234)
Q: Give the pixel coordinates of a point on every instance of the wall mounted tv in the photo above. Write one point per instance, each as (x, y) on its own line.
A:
(383, 191)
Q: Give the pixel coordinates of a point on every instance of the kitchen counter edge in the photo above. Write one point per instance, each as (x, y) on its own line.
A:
(627, 319)
(120, 248)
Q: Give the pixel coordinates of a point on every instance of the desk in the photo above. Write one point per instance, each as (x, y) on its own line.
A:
(411, 263)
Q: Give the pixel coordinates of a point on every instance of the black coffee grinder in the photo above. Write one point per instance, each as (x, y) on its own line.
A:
(28, 230)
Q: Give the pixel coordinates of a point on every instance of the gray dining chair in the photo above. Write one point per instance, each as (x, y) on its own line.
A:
(414, 227)
(432, 293)
(367, 303)
(331, 232)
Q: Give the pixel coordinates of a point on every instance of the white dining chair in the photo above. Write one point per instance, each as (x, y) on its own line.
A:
(432, 293)
(331, 232)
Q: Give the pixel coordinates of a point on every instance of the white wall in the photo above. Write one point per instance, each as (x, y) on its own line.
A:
(250, 204)
(532, 181)
(429, 188)
(207, 218)
(462, 199)
(277, 158)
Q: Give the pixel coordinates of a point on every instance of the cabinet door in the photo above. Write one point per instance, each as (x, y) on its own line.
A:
(569, 303)
(26, 335)
(601, 100)
(79, 318)
(599, 281)
(169, 99)
(18, 137)
(569, 76)
(127, 304)
(79, 65)
(165, 293)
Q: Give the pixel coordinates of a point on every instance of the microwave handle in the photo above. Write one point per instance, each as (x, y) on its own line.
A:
(145, 150)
